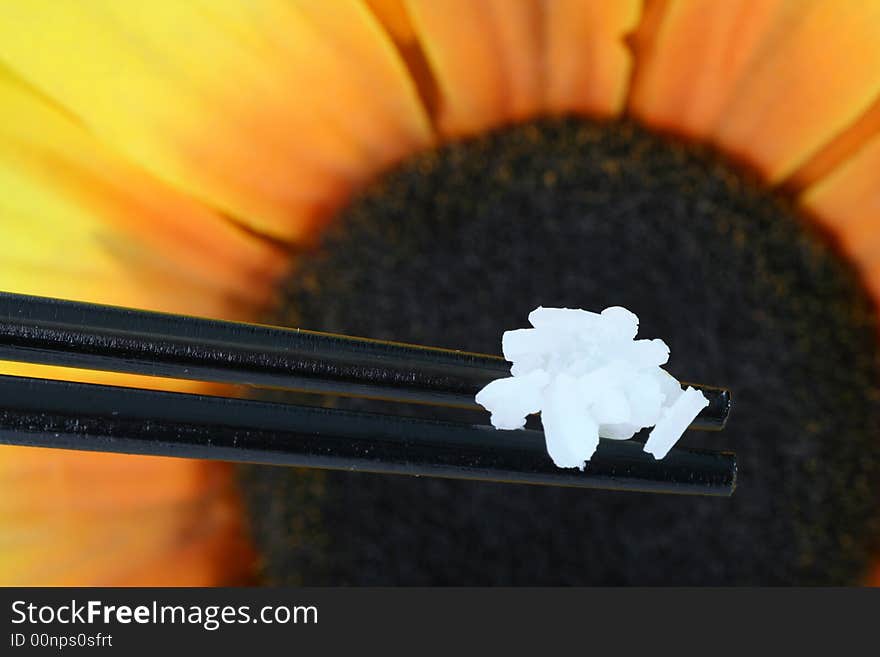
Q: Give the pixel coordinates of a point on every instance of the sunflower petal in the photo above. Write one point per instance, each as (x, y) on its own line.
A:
(691, 57)
(80, 222)
(118, 482)
(74, 544)
(394, 16)
(847, 203)
(769, 81)
(837, 151)
(461, 43)
(268, 111)
(216, 556)
(587, 61)
(496, 61)
(517, 30)
(816, 72)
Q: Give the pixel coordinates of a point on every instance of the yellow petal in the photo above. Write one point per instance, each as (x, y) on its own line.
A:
(587, 61)
(80, 222)
(269, 111)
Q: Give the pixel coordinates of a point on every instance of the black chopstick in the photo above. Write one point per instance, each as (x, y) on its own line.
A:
(89, 336)
(81, 416)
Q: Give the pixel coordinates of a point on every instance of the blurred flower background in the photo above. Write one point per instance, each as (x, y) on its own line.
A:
(179, 156)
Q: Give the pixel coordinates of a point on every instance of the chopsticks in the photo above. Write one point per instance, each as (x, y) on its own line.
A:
(67, 415)
(89, 336)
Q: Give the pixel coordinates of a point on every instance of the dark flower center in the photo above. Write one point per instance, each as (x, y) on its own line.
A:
(459, 244)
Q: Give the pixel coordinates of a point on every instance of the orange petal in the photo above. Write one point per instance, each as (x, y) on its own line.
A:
(460, 43)
(816, 72)
(268, 111)
(644, 36)
(90, 539)
(587, 62)
(485, 57)
(216, 557)
(393, 15)
(518, 34)
(836, 152)
(690, 56)
(43, 486)
(847, 202)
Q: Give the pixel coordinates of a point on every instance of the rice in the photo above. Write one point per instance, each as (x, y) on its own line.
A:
(588, 377)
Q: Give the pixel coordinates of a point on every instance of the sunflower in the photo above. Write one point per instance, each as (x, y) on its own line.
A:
(281, 159)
